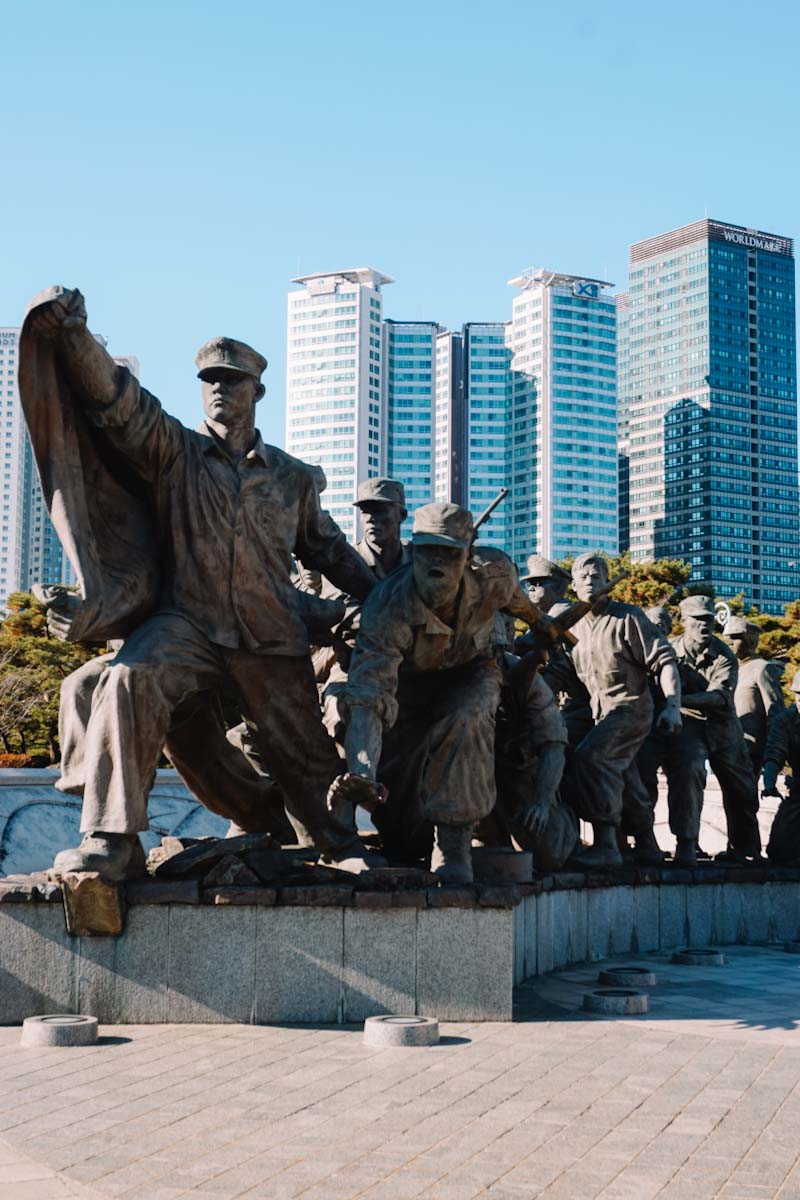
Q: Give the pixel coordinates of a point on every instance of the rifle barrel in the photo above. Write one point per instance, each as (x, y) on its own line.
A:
(487, 512)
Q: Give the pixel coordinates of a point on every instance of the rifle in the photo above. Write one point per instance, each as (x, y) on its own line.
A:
(556, 629)
(487, 512)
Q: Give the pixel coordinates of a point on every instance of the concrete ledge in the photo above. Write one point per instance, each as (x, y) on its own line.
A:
(261, 956)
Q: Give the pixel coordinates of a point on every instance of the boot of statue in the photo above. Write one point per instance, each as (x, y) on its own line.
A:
(604, 852)
(686, 852)
(647, 851)
(114, 856)
(452, 853)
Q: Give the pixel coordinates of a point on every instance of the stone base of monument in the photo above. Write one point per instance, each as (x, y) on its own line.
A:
(390, 1031)
(339, 951)
(59, 1029)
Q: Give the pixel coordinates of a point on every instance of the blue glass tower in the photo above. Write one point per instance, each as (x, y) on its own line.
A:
(709, 402)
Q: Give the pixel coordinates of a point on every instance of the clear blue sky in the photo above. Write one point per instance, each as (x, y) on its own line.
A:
(180, 162)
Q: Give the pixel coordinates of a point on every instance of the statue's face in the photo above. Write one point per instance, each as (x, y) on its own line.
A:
(745, 644)
(661, 619)
(590, 579)
(698, 631)
(438, 571)
(546, 592)
(229, 396)
(796, 694)
(381, 523)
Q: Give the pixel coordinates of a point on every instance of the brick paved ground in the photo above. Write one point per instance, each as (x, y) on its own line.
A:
(701, 1099)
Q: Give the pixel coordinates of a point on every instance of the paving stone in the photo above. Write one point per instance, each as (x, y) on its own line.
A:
(455, 984)
(299, 964)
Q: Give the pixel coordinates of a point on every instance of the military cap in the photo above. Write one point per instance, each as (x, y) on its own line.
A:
(542, 568)
(442, 525)
(739, 626)
(698, 606)
(382, 491)
(232, 355)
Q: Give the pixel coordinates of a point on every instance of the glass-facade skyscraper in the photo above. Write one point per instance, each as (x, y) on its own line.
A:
(528, 404)
(409, 391)
(334, 414)
(709, 406)
(487, 401)
(563, 414)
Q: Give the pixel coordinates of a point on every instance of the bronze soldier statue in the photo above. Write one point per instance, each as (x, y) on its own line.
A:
(758, 697)
(618, 651)
(186, 548)
(423, 691)
(783, 746)
(530, 746)
(711, 730)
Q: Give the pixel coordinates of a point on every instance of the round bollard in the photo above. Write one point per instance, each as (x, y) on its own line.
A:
(792, 947)
(621, 1002)
(59, 1029)
(699, 958)
(627, 977)
(401, 1031)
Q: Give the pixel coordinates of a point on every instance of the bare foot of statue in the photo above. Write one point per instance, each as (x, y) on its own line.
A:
(604, 852)
(451, 860)
(344, 794)
(648, 852)
(686, 853)
(115, 856)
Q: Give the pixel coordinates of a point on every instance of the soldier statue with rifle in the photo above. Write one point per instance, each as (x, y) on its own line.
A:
(424, 689)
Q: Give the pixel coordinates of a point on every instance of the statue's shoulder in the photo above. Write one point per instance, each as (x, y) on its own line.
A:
(489, 562)
(286, 464)
(394, 595)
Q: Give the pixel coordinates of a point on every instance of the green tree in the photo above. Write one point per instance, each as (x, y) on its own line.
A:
(32, 666)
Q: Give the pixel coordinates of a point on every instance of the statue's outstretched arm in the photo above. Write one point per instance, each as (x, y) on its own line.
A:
(86, 361)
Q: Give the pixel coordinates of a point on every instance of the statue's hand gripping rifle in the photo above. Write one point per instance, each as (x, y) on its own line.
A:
(549, 631)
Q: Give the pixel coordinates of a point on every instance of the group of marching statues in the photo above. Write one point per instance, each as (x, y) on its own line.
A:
(387, 675)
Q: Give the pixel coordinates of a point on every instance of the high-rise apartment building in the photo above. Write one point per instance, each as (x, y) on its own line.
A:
(623, 432)
(528, 404)
(30, 550)
(334, 414)
(409, 408)
(710, 404)
(487, 404)
(450, 428)
(563, 443)
(14, 444)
